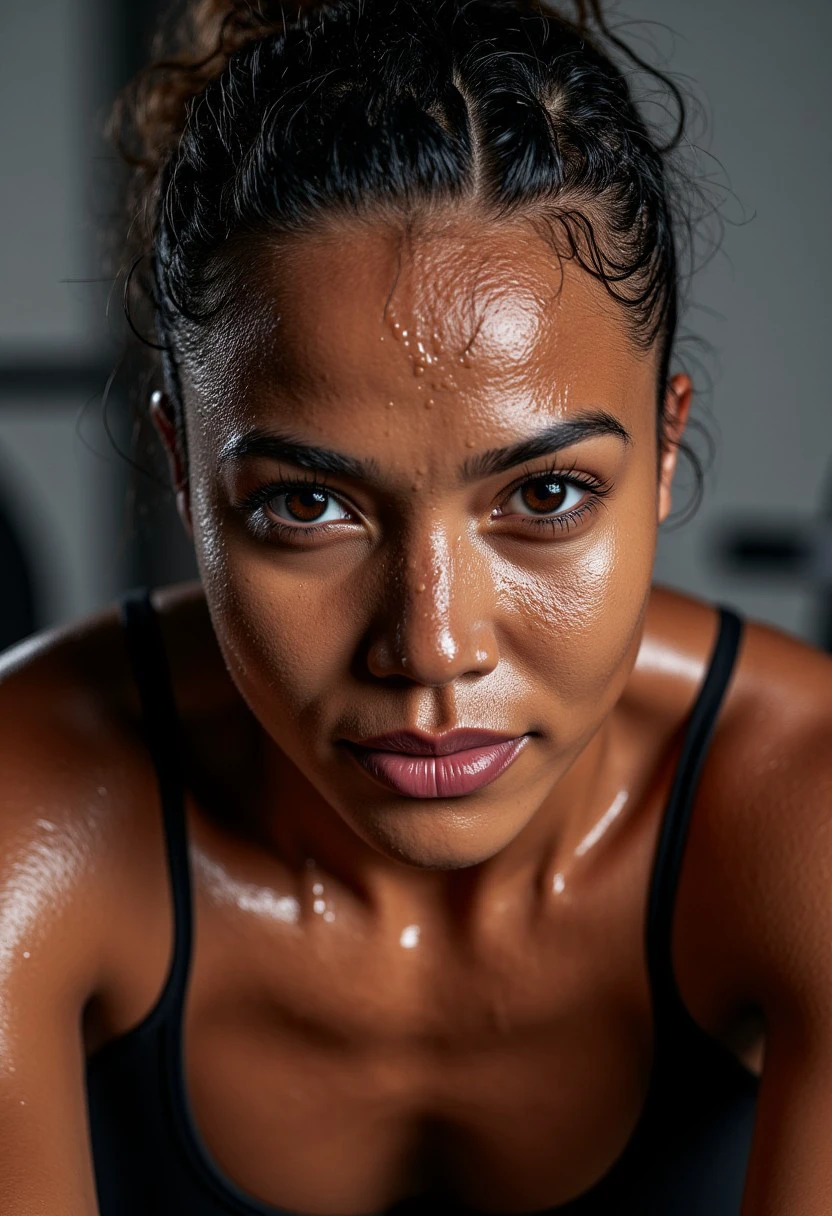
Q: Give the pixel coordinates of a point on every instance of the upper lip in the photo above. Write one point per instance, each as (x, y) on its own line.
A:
(419, 743)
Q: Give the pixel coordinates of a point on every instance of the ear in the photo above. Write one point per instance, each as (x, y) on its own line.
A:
(162, 416)
(677, 404)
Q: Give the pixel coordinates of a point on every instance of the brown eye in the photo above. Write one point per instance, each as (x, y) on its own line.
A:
(307, 505)
(543, 495)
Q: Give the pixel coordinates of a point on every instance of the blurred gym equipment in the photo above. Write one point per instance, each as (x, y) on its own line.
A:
(799, 551)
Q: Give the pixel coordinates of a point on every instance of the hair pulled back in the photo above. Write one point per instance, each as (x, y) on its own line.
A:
(258, 118)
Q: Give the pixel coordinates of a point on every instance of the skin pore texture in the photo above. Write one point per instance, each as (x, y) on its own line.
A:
(432, 595)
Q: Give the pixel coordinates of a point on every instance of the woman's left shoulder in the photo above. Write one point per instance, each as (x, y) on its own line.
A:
(783, 686)
(764, 890)
(763, 818)
(773, 740)
(778, 699)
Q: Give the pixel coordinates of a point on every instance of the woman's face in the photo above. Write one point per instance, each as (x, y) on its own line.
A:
(474, 547)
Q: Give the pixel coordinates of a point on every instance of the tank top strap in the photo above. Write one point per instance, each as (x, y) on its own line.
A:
(161, 726)
(668, 1006)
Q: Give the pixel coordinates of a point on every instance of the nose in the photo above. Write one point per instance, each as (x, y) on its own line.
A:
(435, 622)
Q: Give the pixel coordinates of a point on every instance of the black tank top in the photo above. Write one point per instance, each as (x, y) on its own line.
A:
(688, 1154)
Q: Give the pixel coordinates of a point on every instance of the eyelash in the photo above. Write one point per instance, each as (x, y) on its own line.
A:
(258, 498)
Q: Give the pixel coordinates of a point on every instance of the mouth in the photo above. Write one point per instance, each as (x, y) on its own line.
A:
(447, 766)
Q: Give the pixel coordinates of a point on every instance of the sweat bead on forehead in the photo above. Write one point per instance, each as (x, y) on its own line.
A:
(353, 317)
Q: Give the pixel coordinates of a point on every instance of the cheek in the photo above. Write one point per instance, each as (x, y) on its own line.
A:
(573, 616)
(264, 618)
(288, 638)
(288, 624)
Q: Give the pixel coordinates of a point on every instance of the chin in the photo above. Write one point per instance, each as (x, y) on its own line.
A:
(433, 839)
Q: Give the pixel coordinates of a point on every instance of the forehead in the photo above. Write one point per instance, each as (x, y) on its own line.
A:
(362, 311)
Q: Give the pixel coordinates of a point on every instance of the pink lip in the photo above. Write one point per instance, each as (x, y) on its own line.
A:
(418, 743)
(467, 761)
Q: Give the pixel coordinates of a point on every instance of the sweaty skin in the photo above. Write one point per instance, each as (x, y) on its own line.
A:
(432, 599)
(391, 996)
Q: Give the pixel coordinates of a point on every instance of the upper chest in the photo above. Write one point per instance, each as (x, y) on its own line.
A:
(509, 1059)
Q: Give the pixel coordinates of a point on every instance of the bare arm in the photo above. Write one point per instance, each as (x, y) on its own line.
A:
(51, 840)
(783, 876)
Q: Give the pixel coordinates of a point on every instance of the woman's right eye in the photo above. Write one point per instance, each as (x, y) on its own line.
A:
(304, 506)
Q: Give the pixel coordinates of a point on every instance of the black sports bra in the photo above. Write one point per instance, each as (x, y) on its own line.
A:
(687, 1156)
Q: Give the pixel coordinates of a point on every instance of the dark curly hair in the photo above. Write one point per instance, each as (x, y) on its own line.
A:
(259, 117)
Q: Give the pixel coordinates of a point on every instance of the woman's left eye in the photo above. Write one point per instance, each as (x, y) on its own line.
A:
(547, 495)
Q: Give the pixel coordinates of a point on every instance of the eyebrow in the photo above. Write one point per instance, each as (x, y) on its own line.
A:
(275, 446)
(588, 424)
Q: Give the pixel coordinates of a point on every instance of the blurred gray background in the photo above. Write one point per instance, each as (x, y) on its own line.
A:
(69, 544)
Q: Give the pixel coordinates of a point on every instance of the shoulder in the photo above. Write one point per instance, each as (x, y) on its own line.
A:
(779, 829)
(69, 706)
(61, 705)
(72, 861)
(770, 766)
(760, 844)
(763, 819)
(779, 692)
(80, 831)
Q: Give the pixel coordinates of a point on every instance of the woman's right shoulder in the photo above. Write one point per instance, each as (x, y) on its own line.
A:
(85, 921)
(69, 720)
(81, 838)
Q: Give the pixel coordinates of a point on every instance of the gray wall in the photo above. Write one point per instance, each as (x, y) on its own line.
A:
(55, 340)
(764, 69)
(764, 304)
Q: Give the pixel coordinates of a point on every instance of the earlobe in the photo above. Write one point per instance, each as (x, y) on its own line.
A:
(676, 407)
(162, 416)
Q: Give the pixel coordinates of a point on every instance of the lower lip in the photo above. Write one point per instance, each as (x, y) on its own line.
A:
(448, 776)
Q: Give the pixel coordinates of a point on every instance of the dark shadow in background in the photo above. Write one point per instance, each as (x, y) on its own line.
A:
(18, 606)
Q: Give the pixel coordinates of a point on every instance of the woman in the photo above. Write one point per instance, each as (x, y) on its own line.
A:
(423, 855)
